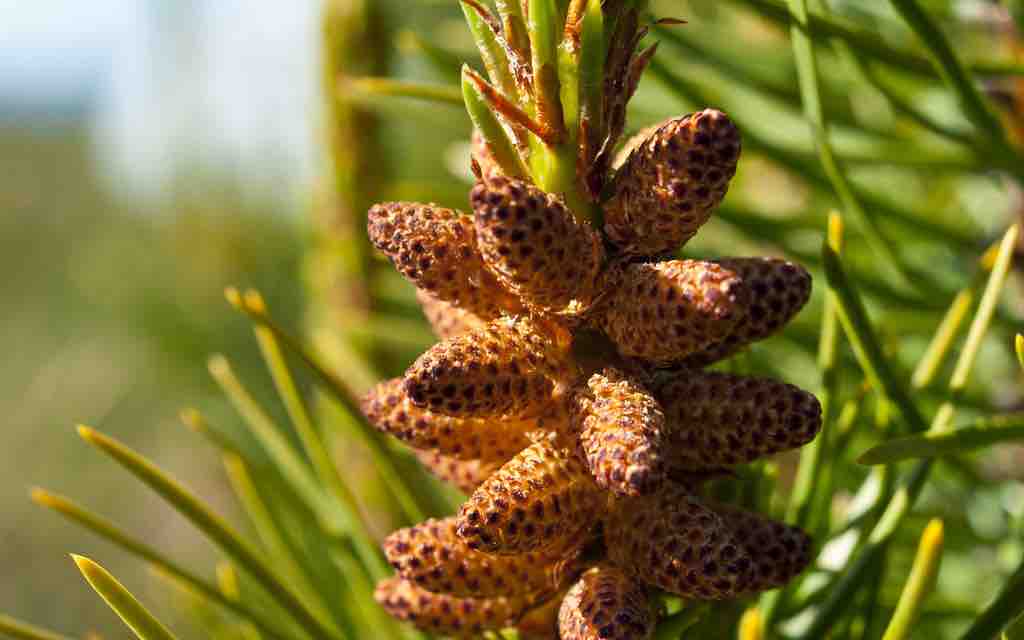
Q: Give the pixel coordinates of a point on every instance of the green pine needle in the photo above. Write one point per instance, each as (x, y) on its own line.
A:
(388, 87)
(215, 528)
(108, 531)
(1019, 345)
(125, 605)
(807, 69)
(982, 433)
(11, 628)
(920, 584)
(347, 397)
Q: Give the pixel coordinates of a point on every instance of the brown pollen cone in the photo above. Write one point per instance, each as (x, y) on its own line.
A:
(534, 244)
(482, 157)
(672, 541)
(621, 431)
(435, 249)
(445, 614)
(567, 395)
(434, 557)
(780, 552)
(542, 499)
(387, 408)
(672, 183)
(446, 319)
(717, 420)
(607, 604)
(541, 622)
(510, 367)
(779, 289)
(464, 475)
(663, 312)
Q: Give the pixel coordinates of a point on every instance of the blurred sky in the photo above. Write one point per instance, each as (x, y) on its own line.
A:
(169, 85)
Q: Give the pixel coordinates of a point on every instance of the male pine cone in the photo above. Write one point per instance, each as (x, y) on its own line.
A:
(568, 394)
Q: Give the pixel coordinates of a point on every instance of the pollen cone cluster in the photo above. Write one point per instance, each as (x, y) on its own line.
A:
(568, 396)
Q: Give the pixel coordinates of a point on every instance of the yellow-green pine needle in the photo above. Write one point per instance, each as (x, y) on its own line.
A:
(807, 71)
(370, 87)
(810, 484)
(443, 61)
(346, 392)
(865, 343)
(1019, 344)
(868, 43)
(952, 70)
(1004, 610)
(154, 557)
(123, 603)
(942, 341)
(285, 557)
(268, 533)
(979, 328)
(811, 456)
(310, 436)
(920, 584)
(372, 616)
(11, 628)
(215, 528)
(487, 123)
(195, 421)
(986, 309)
(984, 433)
(227, 580)
(751, 625)
(293, 468)
(855, 322)
(493, 54)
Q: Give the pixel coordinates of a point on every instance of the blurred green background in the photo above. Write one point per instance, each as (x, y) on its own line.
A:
(144, 169)
(110, 309)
